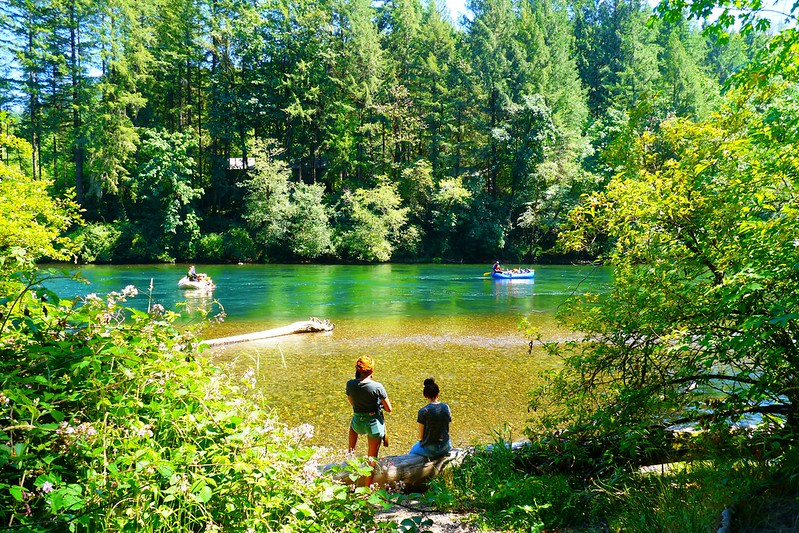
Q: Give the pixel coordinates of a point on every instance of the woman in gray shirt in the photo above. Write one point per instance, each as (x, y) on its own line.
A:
(433, 419)
(368, 399)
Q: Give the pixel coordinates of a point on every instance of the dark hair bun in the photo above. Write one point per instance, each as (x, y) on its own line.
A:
(431, 389)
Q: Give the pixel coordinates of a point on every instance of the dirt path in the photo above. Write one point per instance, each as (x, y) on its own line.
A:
(429, 520)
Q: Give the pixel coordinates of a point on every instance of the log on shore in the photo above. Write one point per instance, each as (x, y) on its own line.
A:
(409, 471)
(312, 325)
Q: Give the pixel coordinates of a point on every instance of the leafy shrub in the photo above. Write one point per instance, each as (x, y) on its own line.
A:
(211, 248)
(112, 421)
(134, 246)
(507, 496)
(97, 242)
(239, 246)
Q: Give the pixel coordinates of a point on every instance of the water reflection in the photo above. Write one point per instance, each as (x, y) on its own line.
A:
(198, 302)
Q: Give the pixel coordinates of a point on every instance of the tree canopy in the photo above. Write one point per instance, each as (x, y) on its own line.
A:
(161, 105)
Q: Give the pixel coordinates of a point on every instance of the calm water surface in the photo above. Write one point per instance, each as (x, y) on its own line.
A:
(417, 321)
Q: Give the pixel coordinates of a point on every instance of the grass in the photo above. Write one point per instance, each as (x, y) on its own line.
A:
(689, 497)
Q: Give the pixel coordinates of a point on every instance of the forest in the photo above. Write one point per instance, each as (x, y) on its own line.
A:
(343, 130)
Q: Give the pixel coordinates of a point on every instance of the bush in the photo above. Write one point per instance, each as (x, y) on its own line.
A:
(136, 247)
(507, 496)
(211, 248)
(97, 242)
(239, 246)
(112, 421)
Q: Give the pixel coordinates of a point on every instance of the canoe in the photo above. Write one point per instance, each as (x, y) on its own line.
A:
(204, 284)
(507, 274)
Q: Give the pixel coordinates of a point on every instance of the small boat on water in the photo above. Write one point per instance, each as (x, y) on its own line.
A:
(202, 282)
(524, 273)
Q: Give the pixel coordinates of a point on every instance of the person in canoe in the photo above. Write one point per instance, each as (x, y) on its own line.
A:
(496, 267)
(192, 274)
(368, 399)
(433, 420)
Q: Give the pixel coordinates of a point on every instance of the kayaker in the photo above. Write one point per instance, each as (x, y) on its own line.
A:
(433, 420)
(368, 399)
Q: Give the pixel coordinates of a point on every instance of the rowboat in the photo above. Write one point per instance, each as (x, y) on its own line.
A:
(510, 274)
(202, 283)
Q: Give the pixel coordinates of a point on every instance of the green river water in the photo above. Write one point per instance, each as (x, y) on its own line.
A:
(417, 321)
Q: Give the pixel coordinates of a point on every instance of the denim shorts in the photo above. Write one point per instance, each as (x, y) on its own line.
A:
(431, 451)
(372, 426)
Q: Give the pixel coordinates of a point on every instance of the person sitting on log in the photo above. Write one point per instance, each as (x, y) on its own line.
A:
(434, 419)
(368, 399)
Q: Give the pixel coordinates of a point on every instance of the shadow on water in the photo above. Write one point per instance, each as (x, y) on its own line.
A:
(417, 321)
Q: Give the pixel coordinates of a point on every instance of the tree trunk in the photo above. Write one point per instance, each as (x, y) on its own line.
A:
(74, 45)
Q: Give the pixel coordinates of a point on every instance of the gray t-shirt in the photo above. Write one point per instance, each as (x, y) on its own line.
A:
(436, 418)
(366, 395)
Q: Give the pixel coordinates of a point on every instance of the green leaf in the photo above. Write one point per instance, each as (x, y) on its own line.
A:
(16, 492)
(205, 494)
(304, 509)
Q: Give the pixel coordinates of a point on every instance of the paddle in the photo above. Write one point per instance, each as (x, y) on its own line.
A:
(486, 273)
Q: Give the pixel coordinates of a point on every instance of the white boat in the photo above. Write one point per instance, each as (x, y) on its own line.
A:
(203, 283)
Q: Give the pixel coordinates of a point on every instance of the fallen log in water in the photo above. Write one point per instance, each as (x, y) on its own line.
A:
(312, 325)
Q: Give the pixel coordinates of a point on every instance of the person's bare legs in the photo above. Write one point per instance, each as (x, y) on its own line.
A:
(374, 448)
(353, 440)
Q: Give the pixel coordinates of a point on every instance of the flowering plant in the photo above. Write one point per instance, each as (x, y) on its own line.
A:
(111, 420)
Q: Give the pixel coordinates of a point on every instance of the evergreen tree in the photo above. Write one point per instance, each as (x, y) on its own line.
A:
(123, 41)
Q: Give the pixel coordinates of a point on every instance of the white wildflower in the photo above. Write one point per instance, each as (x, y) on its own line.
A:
(303, 432)
(129, 291)
(310, 471)
(249, 378)
(144, 431)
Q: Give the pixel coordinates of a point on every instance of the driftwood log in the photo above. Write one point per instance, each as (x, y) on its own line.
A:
(406, 471)
(409, 471)
(312, 325)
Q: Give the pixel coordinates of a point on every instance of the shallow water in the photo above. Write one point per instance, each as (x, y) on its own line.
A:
(417, 321)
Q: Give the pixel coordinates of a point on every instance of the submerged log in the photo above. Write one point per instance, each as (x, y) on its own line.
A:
(312, 325)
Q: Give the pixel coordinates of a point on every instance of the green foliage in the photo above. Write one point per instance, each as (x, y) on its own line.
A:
(31, 220)
(450, 202)
(282, 214)
(164, 191)
(113, 421)
(373, 225)
(211, 248)
(96, 241)
(508, 498)
(699, 324)
(351, 92)
(239, 246)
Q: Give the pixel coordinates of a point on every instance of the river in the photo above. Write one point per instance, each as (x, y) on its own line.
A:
(444, 321)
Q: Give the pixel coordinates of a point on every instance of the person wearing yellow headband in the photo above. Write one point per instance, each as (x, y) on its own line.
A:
(369, 400)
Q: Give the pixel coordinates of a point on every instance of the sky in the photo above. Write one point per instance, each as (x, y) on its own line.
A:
(458, 7)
